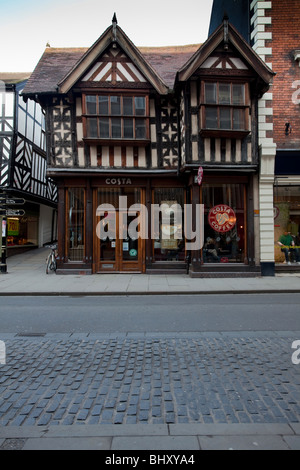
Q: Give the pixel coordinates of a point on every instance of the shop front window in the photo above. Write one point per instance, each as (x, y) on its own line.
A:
(286, 220)
(169, 244)
(22, 231)
(75, 224)
(224, 229)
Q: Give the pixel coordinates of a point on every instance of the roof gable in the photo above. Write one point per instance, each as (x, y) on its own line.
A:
(113, 67)
(113, 42)
(226, 36)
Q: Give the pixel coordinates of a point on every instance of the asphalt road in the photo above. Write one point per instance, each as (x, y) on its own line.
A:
(140, 314)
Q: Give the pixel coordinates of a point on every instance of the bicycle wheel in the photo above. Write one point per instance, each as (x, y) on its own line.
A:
(53, 263)
(48, 264)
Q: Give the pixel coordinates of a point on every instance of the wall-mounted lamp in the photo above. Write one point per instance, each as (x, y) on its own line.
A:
(288, 128)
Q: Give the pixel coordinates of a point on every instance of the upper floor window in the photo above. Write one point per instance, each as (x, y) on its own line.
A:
(225, 107)
(116, 117)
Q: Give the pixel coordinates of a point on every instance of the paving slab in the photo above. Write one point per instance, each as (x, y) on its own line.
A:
(20, 432)
(293, 442)
(236, 442)
(67, 443)
(296, 427)
(223, 429)
(155, 443)
(108, 430)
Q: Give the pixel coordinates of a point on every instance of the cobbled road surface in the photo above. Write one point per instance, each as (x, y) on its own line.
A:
(68, 379)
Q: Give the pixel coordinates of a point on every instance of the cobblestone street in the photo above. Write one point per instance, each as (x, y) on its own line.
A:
(152, 379)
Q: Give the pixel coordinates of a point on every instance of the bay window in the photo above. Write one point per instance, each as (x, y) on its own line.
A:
(224, 107)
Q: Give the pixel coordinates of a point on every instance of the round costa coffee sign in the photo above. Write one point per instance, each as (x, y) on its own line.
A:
(221, 218)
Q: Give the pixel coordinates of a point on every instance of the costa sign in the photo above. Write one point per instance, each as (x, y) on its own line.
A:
(221, 218)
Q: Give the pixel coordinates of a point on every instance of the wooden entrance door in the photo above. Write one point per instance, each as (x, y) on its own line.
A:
(118, 246)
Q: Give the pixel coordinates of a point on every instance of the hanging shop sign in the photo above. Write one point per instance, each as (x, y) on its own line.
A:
(200, 175)
(222, 218)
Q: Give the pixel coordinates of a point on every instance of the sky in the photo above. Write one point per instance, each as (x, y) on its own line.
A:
(28, 25)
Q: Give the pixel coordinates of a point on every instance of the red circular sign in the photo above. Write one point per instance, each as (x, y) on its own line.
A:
(221, 218)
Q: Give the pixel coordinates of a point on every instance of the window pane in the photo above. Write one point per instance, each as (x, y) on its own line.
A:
(9, 104)
(225, 118)
(210, 93)
(140, 129)
(91, 106)
(21, 121)
(140, 106)
(104, 128)
(29, 129)
(238, 94)
(224, 94)
(238, 119)
(115, 104)
(31, 107)
(128, 106)
(92, 127)
(128, 128)
(116, 128)
(103, 104)
(37, 134)
(75, 222)
(211, 118)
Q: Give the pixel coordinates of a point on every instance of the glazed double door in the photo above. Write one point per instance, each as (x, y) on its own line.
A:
(118, 246)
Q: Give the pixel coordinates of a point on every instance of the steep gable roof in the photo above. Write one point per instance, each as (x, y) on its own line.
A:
(113, 35)
(226, 34)
(56, 63)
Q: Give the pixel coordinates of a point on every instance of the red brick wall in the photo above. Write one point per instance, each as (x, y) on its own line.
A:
(285, 39)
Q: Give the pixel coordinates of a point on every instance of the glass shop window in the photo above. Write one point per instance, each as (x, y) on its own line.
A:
(169, 242)
(75, 224)
(286, 218)
(224, 223)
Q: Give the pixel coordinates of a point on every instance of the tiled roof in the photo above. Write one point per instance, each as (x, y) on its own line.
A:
(55, 63)
(12, 78)
(168, 60)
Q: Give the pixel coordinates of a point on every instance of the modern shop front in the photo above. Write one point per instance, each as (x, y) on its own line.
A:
(287, 218)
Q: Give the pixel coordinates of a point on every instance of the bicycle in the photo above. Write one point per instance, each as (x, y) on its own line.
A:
(51, 259)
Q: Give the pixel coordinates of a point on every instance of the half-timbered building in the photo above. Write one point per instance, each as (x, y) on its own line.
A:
(142, 128)
(272, 30)
(23, 171)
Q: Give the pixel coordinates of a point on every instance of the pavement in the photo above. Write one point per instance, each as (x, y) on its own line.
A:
(27, 276)
(186, 393)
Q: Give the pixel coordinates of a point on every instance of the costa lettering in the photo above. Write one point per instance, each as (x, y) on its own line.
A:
(221, 218)
(118, 181)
